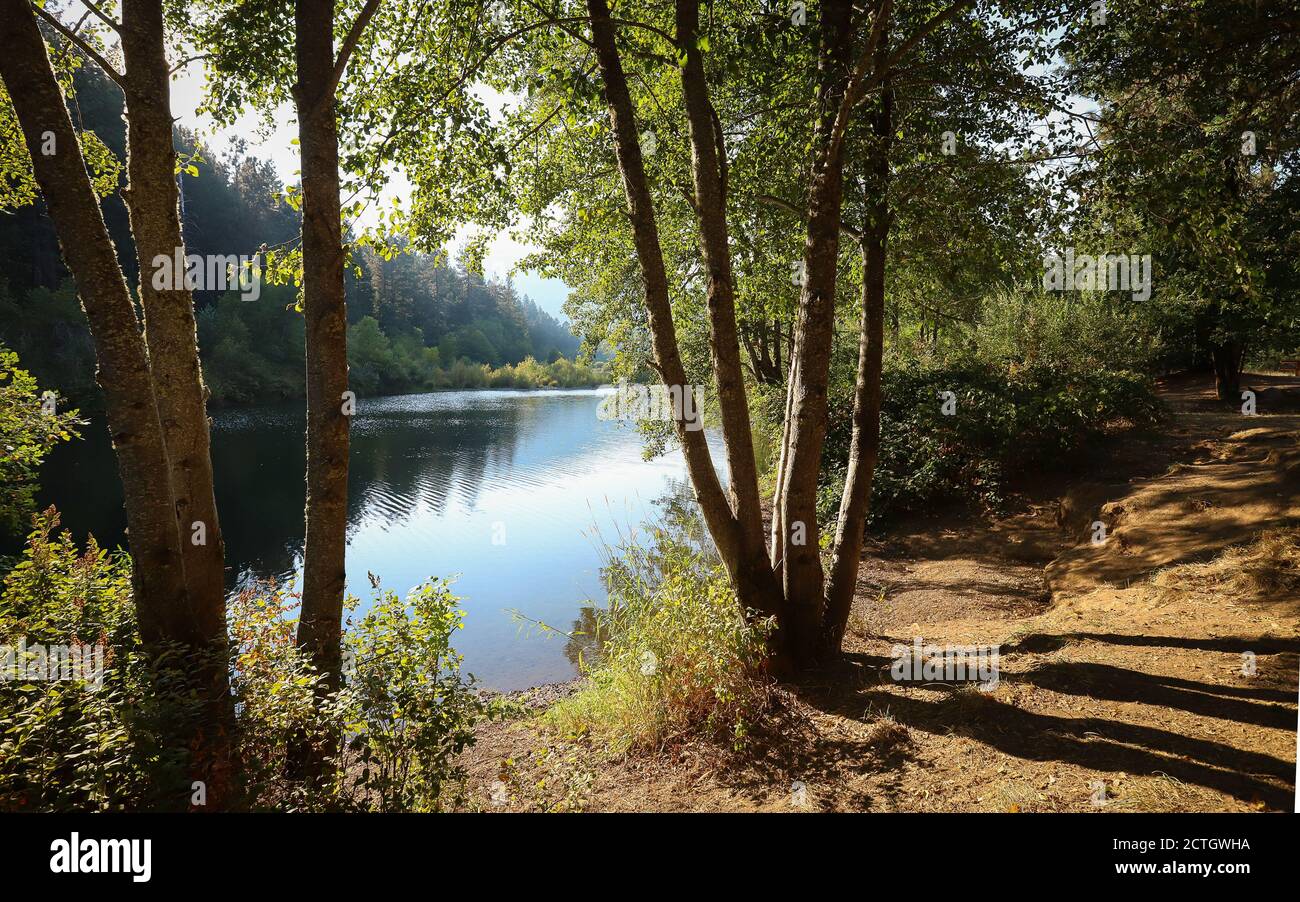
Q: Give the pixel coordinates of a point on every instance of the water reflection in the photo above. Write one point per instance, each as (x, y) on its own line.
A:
(633, 567)
(506, 489)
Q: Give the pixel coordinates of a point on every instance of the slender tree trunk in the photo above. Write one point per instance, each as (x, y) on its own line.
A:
(864, 450)
(756, 581)
(752, 342)
(803, 578)
(764, 352)
(778, 530)
(158, 574)
(325, 315)
(864, 447)
(776, 352)
(721, 521)
(152, 202)
(1227, 358)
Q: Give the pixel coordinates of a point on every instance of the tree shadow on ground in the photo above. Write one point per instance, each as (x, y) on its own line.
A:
(1038, 643)
(1095, 743)
(1104, 681)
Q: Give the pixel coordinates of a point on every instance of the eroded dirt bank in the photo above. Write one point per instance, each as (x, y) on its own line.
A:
(1154, 671)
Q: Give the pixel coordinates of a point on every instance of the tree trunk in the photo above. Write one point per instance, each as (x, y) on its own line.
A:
(803, 578)
(163, 610)
(864, 447)
(151, 199)
(1228, 358)
(721, 521)
(764, 352)
(158, 574)
(325, 315)
(778, 531)
(708, 165)
(776, 352)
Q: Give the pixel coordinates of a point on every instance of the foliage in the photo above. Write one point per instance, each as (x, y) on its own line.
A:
(428, 315)
(28, 430)
(1198, 160)
(1087, 330)
(67, 745)
(17, 182)
(405, 709)
(72, 745)
(1009, 419)
(275, 692)
(379, 366)
(673, 654)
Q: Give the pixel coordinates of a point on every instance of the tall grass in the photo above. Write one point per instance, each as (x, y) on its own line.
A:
(674, 655)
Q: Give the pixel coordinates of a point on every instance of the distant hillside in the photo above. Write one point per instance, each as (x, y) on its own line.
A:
(412, 324)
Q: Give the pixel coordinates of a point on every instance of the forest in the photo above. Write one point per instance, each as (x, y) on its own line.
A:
(990, 310)
(415, 323)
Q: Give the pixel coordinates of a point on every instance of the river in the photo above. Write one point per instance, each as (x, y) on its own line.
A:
(511, 492)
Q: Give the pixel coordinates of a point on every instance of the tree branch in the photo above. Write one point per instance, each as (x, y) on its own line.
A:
(89, 5)
(82, 46)
(190, 59)
(921, 33)
(859, 85)
(773, 201)
(350, 43)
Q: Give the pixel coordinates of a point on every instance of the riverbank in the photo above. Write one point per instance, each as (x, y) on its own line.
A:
(1156, 671)
(527, 375)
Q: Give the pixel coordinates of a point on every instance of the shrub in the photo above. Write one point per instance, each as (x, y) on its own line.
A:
(404, 711)
(675, 657)
(1009, 420)
(27, 434)
(69, 745)
(1032, 327)
(275, 689)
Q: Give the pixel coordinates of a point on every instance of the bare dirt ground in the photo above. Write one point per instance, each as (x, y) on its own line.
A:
(1153, 671)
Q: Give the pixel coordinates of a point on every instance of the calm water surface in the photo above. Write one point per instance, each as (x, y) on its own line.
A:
(507, 490)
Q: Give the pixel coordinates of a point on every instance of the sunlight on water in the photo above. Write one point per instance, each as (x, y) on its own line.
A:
(505, 488)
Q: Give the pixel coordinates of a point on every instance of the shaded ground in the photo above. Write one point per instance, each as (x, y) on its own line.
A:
(1153, 671)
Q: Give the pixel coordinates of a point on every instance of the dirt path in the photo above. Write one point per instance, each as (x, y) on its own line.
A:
(1153, 671)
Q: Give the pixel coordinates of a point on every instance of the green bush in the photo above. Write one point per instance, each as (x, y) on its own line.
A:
(674, 654)
(71, 745)
(1009, 420)
(404, 711)
(27, 433)
(1031, 327)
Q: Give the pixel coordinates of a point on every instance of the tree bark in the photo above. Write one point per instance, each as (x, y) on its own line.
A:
(803, 577)
(714, 504)
(764, 352)
(158, 574)
(777, 373)
(164, 612)
(776, 545)
(152, 203)
(864, 447)
(325, 315)
(757, 582)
